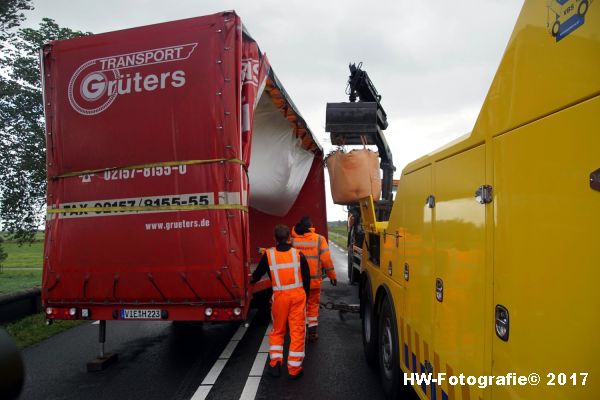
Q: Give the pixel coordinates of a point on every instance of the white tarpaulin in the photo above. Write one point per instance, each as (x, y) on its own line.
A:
(278, 164)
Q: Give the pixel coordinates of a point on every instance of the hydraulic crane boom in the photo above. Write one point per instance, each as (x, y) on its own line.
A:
(365, 119)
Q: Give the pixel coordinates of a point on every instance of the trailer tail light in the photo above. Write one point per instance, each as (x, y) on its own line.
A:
(502, 322)
(208, 312)
(61, 313)
(237, 311)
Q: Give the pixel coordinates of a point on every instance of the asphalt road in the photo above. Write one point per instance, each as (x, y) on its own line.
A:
(160, 360)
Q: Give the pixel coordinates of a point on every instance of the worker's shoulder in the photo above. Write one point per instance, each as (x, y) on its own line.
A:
(321, 237)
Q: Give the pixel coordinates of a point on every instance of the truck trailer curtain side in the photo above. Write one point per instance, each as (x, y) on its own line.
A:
(150, 151)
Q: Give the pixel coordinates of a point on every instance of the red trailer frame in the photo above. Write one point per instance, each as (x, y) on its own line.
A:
(149, 142)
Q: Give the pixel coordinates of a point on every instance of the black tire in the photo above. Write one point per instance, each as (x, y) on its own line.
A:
(583, 7)
(369, 326)
(353, 274)
(389, 352)
(350, 267)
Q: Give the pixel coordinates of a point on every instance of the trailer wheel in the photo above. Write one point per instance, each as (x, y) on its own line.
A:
(369, 326)
(389, 352)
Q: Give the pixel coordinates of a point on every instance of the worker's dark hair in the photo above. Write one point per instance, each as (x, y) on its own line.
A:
(282, 233)
(303, 225)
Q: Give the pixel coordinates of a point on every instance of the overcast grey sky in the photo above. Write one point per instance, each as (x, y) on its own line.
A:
(433, 61)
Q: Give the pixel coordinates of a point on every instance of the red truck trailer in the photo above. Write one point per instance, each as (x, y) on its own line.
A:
(172, 151)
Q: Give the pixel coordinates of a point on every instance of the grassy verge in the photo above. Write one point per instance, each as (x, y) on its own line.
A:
(33, 329)
(25, 256)
(14, 280)
(338, 233)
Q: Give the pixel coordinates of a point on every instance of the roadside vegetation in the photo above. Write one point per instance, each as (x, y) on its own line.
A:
(33, 329)
(22, 268)
(338, 233)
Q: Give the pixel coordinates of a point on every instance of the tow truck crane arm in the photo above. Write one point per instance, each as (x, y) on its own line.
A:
(363, 120)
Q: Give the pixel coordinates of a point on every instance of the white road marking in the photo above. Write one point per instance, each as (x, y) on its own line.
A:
(228, 350)
(264, 346)
(212, 376)
(214, 372)
(239, 334)
(259, 364)
(253, 381)
(202, 392)
(95, 322)
(250, 389)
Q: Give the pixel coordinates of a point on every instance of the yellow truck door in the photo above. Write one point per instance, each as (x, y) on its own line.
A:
(417, 216)
(546, 264)
(459, 243)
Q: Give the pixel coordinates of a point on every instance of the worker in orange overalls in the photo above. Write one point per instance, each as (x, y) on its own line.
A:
(290, 278)
(316, 250)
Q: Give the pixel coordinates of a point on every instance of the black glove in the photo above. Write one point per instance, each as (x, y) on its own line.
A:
(333, 282)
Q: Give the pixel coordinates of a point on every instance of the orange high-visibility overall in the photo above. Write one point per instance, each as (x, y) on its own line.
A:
(289, 305)
(316, 250)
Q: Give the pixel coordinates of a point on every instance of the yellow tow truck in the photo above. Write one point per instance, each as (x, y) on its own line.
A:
(488, 266)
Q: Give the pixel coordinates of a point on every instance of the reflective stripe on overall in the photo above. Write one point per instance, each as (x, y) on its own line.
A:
(288, 307)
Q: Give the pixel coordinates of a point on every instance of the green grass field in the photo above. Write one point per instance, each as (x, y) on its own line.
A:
(25, 256)
(338, 232)
(33, 329)
(23, 267)
(12, 280)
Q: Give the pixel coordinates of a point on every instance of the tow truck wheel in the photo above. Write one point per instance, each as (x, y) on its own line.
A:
(369, 326)
(350, 259)
(583, 7)
(389, 352)
(352, 273)
(555, 28)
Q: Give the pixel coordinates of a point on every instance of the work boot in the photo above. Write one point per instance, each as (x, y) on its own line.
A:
(298, 375)
(275, 371)
(313, 336)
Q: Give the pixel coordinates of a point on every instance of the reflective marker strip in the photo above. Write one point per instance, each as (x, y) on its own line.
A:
(274, 267)
(276, 347)
(276, 355)
(304, 244)
(287, 287)
(296, 354)
(312, 318)
(294, 363)
(150, 165)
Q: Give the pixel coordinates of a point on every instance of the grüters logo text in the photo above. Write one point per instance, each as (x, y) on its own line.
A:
(96, 84)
